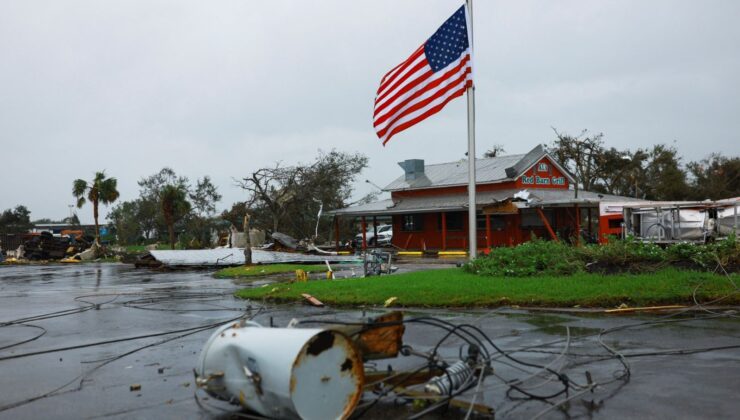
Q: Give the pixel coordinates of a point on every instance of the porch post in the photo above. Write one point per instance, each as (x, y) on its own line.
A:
(590, 228)
(444, 231)
(336, 231)
(375, 230)
(488, 232)
(547, 224)
(364, 234)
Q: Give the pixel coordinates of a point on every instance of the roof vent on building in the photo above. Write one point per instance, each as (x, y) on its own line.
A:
(412, 168)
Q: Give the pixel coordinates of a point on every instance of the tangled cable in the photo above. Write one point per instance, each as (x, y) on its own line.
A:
(546, 375)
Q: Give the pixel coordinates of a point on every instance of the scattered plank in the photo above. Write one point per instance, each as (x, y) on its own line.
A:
(644, 308)
(312, 300)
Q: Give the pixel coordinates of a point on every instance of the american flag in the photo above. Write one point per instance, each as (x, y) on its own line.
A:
(436, 73)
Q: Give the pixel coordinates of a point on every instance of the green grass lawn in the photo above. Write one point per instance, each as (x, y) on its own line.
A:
(266, 269)
(455, 288)
(135, 248)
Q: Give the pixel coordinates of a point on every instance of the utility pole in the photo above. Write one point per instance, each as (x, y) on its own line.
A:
(472, 219)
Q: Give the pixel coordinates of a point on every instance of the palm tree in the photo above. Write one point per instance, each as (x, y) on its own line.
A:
(100, 190)
(175, 206)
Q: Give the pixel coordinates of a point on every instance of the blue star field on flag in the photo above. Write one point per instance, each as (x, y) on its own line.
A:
(449, 42)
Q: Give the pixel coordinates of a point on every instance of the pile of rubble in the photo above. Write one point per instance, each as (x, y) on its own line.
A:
(48, 247)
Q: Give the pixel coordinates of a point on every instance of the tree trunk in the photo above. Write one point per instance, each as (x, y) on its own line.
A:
(171, 229)
(248, 243)
(95, 216)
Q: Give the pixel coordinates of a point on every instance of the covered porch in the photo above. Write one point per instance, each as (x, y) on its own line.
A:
(504, 219)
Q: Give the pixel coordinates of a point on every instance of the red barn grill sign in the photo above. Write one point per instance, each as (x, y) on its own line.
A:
(543, 180)
(548, 179)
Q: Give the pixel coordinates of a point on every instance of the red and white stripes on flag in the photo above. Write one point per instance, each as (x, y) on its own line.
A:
(436, 73)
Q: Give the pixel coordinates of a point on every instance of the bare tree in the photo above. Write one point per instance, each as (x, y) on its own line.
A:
(273, 187)
(581, 154)
(496, 150)
(288, 198)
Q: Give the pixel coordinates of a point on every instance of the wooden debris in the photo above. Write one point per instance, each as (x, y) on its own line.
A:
(381, 342)
(373, 379)
(481, 409)
(625, 308)
(312, 300)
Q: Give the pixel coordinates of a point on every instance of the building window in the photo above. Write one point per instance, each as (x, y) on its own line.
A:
(615, 223)
(412, 222)
(531, 219)
(455, 220)
(480, 222)
(497, 222)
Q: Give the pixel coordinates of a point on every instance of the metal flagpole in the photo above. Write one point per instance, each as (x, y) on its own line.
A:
(472, 221)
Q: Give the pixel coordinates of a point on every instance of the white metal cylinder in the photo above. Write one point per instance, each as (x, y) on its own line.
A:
(283, 372)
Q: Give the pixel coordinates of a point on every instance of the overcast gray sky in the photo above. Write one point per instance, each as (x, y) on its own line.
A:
(221, 88)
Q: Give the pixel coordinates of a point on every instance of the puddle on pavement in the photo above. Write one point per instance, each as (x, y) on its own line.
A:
(574, 331)
(552, 324)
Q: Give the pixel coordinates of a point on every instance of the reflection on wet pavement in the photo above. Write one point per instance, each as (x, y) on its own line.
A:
(73, 339)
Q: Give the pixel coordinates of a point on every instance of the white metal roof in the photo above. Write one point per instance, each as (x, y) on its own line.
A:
(235, 256)
(456, 173)
(487, 171)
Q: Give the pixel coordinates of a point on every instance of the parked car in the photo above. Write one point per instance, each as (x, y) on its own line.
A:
(385, 234)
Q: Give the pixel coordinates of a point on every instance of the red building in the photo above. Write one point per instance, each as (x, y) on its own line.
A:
(517, 196)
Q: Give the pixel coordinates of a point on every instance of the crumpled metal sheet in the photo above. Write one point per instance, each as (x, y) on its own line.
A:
(235, 256)
(688, 224)
(729, 220)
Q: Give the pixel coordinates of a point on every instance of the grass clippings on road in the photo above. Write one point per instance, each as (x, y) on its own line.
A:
(455, 288)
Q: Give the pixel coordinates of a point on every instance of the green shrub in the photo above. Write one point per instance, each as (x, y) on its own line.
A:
(542, 257)
(623, 252)
(537, 256)
(682, 251)
(725, 252)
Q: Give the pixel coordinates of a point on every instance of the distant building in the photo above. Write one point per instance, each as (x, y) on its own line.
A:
(59, 228)
(517, 196)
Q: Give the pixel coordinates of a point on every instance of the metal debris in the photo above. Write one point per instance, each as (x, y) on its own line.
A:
(224, 257)
(283, 241)
(283, 372)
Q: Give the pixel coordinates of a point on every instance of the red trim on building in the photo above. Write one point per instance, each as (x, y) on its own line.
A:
(543, 174)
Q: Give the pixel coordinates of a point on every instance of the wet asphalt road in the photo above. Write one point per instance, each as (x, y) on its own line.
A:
(68, 372)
